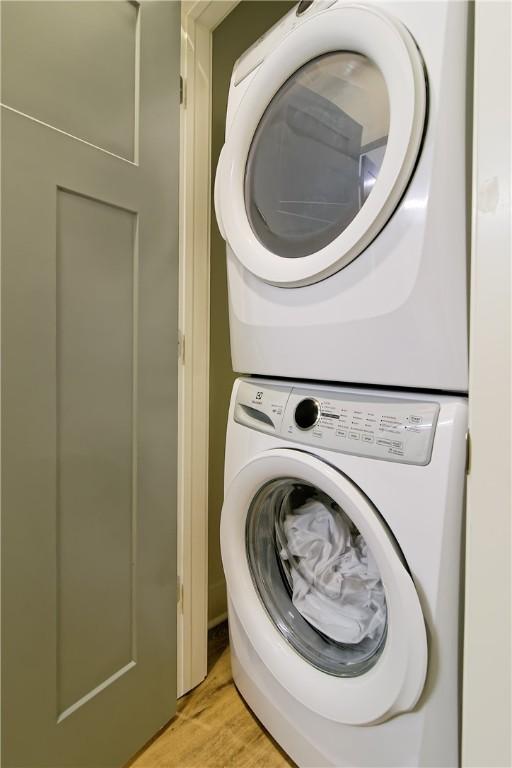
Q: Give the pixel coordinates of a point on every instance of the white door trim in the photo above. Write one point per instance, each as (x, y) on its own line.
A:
(198, 20)
(487, 683)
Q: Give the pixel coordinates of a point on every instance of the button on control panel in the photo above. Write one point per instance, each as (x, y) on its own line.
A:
(389, 428)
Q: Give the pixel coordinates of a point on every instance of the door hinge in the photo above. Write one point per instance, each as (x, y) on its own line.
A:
(181, 347)
(468, 453)
(179, 593)
(182, 90)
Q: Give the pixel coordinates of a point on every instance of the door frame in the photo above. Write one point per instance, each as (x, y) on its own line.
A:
(487, 703)
(199, 18)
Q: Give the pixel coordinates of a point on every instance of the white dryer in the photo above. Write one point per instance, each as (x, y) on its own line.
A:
(341, 194)
(341, 534)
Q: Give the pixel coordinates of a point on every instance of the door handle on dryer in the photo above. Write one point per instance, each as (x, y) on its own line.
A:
(216, 194)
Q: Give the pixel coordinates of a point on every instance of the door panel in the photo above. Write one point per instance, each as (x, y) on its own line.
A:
(96, 450)
(69, 51)
(89, 328)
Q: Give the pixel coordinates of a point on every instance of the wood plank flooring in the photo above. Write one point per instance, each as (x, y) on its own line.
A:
(213, 727)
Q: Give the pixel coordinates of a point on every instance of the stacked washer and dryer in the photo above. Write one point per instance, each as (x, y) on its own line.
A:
(341, 194)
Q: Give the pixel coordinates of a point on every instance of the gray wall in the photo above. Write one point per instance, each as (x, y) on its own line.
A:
(236, 33)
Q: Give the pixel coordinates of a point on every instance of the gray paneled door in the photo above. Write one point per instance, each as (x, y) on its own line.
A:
(90, 141)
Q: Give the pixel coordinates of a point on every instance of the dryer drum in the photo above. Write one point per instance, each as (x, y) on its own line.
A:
(316, 153)
(316, 577)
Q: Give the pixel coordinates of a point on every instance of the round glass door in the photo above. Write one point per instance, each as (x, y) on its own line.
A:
(319, 588)
(322, 145)
(316, 577)
(317, 153)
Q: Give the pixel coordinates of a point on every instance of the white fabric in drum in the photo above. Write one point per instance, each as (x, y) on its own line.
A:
(336, 582)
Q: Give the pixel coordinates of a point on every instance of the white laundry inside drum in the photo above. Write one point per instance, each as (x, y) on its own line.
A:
(316, 577)
(334, 580)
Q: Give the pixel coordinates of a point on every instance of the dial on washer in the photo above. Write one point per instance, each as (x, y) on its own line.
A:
(307, 413)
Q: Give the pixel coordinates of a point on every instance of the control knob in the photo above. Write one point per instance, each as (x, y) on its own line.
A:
(307, 413)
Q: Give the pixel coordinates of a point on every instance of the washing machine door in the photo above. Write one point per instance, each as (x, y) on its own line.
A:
(322, 590)
(322, 145)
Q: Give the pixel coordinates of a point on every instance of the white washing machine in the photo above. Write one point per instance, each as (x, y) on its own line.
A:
(341, 193)
(341, 543)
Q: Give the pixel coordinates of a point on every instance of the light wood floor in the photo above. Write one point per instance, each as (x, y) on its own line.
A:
(213, 727)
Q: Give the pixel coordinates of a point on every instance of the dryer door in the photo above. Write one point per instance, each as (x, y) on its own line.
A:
(322, 590)
(322, 146)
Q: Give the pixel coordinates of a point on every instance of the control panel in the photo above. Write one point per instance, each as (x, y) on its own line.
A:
(377, 426)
